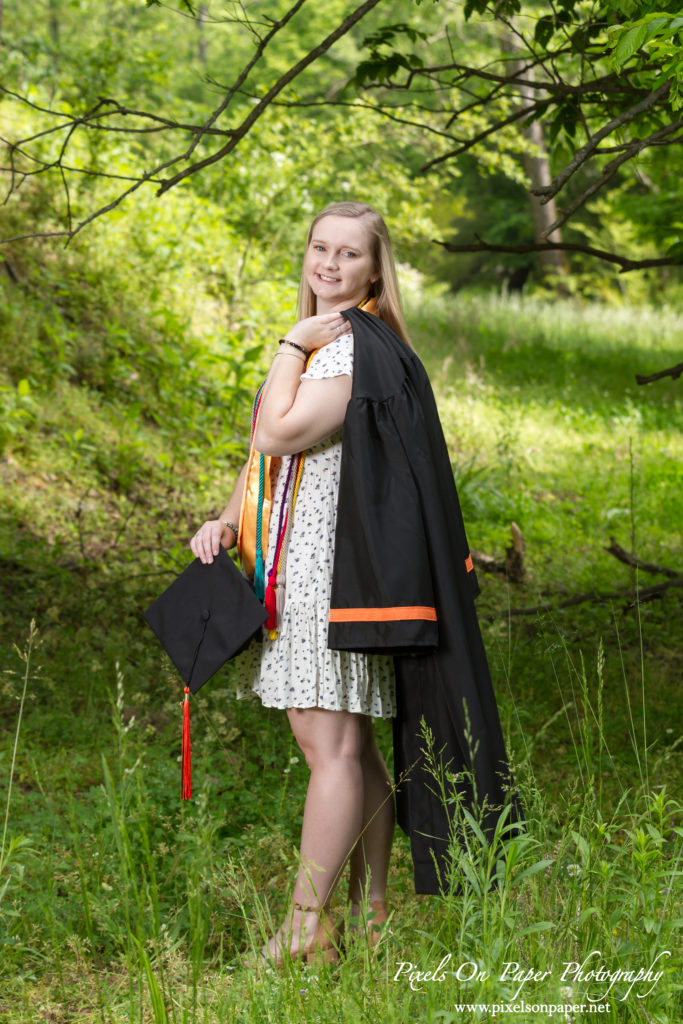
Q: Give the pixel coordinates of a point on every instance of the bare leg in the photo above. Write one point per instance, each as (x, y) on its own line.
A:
(370, 857)
(333, 743)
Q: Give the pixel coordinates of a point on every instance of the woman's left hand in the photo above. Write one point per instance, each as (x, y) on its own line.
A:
(318, 331)
(205, 543)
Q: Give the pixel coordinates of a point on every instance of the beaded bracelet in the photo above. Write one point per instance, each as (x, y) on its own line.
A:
(300, 348)
(232, 526)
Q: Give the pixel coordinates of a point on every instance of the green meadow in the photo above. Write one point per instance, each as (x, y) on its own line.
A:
(122, 427)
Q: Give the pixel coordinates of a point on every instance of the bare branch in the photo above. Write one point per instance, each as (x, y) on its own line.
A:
(358, 105)
(92, 118)
(72, 232)
(674, 372)
(622, 261)
(239, 133)
(606, 83)
(244, 74)
(470, 143)
(642, 595)
(234, 135)
(45, 165)
(638, 563)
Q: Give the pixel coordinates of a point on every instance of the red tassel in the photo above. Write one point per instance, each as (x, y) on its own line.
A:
(186, 762)
(270, 602)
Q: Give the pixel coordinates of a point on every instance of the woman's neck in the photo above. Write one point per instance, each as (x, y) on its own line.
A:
(321, 306)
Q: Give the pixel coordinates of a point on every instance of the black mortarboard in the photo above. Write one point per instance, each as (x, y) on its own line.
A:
(206, 616)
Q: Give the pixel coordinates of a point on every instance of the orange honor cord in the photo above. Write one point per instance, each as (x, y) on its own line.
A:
(186, 759)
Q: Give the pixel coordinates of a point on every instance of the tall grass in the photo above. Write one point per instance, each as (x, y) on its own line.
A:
(119, 904)
(585, 878)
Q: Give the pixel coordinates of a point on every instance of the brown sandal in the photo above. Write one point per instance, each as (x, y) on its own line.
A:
(325, 941)
(324, 944)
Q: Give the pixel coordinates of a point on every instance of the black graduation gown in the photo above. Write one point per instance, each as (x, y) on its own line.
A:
(403, 583)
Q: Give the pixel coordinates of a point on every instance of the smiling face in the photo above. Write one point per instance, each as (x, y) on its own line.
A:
(339, 266)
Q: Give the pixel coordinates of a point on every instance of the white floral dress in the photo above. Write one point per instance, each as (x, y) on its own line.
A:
(298, 670)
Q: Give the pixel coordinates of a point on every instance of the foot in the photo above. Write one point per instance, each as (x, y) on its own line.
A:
(305, 934)
(375, 921)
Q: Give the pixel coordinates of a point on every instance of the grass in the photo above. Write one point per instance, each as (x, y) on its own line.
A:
(119, 904)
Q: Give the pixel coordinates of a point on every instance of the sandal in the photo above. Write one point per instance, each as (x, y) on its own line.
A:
(323, 945)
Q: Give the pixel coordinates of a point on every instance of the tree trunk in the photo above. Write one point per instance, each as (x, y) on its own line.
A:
(537, 167)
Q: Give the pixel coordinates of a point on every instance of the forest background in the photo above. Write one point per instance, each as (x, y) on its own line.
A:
(160, 164)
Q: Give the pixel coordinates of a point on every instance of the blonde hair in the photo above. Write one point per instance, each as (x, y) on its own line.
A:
(385, 288)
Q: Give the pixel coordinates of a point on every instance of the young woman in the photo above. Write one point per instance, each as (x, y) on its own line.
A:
(330, 696)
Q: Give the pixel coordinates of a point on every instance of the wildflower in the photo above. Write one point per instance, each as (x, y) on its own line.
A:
(574, 870)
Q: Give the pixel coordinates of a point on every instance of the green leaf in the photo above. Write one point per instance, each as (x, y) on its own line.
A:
(538, 926)
(474, 5)
(629, 43)
(386, 34)
(545, 27)
(23, 388)
(540, 865)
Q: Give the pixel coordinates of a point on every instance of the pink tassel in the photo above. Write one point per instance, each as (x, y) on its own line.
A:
(271, 602)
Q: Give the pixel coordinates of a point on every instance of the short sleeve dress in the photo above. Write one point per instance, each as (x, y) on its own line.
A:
(297, 669)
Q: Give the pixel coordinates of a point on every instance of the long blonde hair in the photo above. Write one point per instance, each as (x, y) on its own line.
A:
(385, 288)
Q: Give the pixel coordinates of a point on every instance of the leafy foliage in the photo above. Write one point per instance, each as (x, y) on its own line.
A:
(411, 106)
(589, 76)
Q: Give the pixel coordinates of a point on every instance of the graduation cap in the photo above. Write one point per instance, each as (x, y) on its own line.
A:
(207, 615)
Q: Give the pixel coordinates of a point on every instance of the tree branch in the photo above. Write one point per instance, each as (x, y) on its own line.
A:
(674, 372)
(517, 116)
(235, 136)
(638, 563)
(585, 152)
(609, 170)
(359, 105)
(244, 74)
(622, 261)
(596, 596)
(92, 119)
(289, 76)
(606, 83)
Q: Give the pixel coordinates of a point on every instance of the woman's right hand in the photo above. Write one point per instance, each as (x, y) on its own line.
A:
(318, 331)
(206, 541)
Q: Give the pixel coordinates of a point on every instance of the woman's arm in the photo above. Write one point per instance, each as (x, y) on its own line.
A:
(296, 414)
(211, 534)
